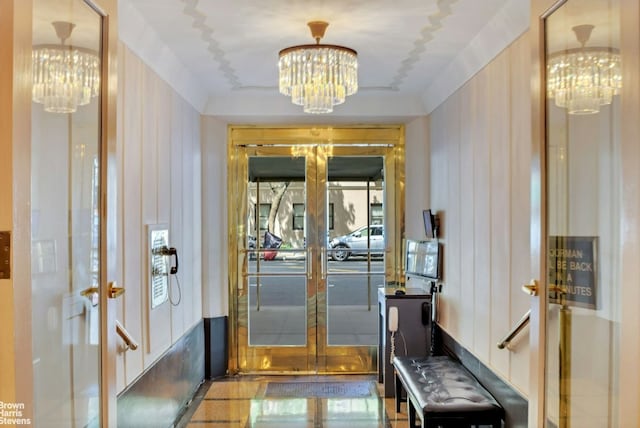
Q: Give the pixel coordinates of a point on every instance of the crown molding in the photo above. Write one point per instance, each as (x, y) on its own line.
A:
(505, 27)
(145, 42)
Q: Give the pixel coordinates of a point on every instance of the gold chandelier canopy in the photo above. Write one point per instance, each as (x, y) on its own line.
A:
(585, 78)
(318, 76)
(64, 76)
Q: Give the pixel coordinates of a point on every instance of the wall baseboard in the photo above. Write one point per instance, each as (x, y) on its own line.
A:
(162, 393)
(516, 407)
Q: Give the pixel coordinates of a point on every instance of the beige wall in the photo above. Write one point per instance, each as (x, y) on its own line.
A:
(480, 174)
(417, 173)
(214, 214)
(159, 181)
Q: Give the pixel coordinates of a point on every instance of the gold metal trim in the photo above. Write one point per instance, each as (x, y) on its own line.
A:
(565, 367)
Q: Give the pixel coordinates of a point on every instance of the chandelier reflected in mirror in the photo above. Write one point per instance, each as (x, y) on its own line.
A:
(64, 76)
(318, 76)
(585, 78)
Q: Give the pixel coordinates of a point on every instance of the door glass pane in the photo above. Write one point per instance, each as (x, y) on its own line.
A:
(583, 173)
(65, 218)
(277, 266)
(355, 265)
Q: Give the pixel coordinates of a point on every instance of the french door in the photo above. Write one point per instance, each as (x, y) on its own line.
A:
(316, 234)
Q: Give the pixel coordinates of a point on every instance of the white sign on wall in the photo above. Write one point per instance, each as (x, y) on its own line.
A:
(158, 237)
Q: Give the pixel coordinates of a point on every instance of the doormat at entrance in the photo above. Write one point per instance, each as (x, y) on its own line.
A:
(319, 389)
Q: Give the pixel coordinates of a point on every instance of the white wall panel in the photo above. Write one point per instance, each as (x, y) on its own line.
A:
(500, 136)
(160, 144)
(480, 153)
(481, 115)
(417, 175)
(193, 186)
(439, 195)
(214, 192)
(130, 126)
(520, 202)
(451, 231)
(466, 223)
(178, 230)
(158, 330)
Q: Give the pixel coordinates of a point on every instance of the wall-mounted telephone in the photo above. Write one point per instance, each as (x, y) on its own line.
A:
(160, 266)
(169, 251)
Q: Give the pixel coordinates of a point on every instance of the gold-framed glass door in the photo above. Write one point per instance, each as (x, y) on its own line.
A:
(276, 290)
(353, 234)
(67, 220)
(295, 305)
(583, 212)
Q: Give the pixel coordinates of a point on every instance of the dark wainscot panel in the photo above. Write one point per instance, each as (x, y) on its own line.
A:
(162, 393)
(216, 344)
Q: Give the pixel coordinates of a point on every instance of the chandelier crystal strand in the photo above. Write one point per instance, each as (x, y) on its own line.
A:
(318, 77)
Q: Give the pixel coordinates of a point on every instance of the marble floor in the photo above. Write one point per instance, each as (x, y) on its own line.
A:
(241, 402)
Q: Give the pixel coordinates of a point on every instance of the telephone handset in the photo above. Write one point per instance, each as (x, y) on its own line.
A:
(393, 319)
(426, 313)
(170, 251)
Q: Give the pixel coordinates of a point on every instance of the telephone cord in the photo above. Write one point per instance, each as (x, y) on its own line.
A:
(179, 292)
(393, 347)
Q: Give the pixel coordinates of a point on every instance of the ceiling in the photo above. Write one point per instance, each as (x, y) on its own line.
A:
(222, 55)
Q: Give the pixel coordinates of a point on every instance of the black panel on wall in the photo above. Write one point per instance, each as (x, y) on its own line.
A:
(217, 346)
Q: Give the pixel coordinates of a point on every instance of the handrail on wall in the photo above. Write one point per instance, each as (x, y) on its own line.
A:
(129, 341)
(515, 330)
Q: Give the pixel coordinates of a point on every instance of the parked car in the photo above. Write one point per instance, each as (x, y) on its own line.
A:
(355, 243)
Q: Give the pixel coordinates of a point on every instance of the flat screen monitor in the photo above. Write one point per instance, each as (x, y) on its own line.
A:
(429, 224)
(424, 259)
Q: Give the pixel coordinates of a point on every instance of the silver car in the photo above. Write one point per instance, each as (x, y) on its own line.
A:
(356, 243)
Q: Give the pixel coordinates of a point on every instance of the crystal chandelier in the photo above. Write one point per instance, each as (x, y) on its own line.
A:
(585, 78)
(64, 76)
(318, 77)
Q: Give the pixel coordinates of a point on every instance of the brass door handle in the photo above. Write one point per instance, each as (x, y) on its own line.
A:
(88, 291)
(114, 291)
(532, 288)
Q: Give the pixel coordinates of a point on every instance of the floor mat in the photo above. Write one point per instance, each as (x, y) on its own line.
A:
(319, 389)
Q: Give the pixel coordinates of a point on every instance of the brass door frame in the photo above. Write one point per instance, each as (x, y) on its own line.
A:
(281, 139)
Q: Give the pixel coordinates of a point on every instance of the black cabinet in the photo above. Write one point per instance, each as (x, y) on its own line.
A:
(413, 337)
